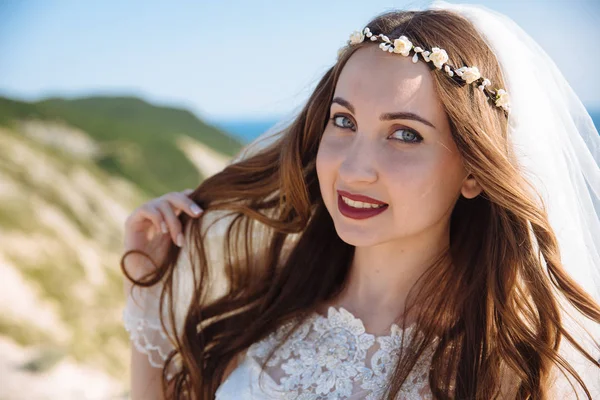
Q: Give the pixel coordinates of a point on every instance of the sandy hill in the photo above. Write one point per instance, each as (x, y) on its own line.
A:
(70, 173)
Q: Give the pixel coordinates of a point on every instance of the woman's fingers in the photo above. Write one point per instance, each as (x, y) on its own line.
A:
(172, 222)
(170, 205)
(180, 201)
(162, 213)
(148, 211)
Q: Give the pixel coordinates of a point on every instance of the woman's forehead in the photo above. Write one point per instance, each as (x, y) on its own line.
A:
(374, 78)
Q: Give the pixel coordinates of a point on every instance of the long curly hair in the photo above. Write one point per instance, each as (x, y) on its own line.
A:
(494, 306)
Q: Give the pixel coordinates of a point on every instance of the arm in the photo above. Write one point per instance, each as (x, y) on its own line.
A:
(140, 318)
(152, 228)
(150, 346)
(145, 379)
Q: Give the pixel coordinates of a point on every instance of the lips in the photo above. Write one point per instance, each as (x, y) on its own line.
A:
(358, 213)
(359, 197)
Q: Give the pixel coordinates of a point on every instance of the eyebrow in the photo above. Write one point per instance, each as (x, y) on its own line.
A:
(386, 116)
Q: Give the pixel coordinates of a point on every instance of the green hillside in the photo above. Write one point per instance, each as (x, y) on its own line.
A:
(71, 171)
(137, 138)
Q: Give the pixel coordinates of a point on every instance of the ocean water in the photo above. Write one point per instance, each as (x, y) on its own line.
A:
(250, 129)
(245, 130)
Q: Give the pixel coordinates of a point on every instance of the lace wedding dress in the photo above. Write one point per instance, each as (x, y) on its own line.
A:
(328, 357)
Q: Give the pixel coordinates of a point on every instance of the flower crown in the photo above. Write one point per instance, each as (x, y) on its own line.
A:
(439, 57)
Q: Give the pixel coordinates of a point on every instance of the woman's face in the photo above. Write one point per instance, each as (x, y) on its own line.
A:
(408, 161)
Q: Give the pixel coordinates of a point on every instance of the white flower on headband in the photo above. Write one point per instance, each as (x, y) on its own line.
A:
(438, 56)
(402, 45)
(502, 99)
(469, 74)
(356, 37)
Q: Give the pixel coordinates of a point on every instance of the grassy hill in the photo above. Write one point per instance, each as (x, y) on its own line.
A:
(137, 139)
(70, 173)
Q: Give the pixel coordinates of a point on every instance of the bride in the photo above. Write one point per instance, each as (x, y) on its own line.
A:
(425, 227)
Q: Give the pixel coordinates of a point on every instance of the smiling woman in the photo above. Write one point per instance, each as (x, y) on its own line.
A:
(400, 158)
(426, 227)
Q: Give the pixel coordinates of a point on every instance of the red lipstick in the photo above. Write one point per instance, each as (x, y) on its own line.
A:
(360, 197)
(359, 213)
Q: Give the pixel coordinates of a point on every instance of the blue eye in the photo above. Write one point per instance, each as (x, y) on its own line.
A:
(337, 117)
(407, 136)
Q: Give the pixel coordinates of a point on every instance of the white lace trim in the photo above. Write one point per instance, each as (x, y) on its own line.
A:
(334, 357)
(141, 315)
(148, 337)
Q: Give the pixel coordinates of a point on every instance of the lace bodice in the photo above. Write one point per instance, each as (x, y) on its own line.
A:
(328, 357)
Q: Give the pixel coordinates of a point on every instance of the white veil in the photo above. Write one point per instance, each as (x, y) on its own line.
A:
(554, 137)
(558, 147)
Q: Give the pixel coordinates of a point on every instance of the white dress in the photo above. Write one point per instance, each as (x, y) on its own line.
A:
(328, 357)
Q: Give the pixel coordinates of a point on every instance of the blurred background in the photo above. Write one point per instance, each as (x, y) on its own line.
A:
(106, 104)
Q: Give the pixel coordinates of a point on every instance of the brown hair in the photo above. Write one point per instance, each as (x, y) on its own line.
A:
(495, 306)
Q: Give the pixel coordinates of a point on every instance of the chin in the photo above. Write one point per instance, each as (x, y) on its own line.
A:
(357, 236)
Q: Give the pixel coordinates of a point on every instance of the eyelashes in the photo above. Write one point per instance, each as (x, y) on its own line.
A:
(409, 136)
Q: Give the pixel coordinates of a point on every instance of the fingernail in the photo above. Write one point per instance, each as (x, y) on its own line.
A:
(163, 226)
(195, 209)
(180, 240)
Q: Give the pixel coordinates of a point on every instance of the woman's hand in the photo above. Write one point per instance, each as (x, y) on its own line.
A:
(150, 229)
(152, 226)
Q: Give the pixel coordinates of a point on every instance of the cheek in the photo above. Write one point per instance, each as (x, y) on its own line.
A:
(329, 155)
(326, 170)
(427, 180)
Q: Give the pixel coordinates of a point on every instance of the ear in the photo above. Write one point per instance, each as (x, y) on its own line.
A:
(470, 187)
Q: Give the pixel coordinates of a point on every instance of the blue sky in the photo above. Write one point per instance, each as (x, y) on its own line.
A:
(233, 59)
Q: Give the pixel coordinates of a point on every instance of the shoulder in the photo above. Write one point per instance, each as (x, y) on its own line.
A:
(233, 364)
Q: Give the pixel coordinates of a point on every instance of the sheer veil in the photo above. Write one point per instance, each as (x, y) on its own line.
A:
(557, 145)
(554, 137)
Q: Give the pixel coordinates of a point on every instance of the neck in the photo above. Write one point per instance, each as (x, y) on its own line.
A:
(381, 277)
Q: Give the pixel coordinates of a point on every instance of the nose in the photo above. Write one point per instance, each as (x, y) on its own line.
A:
(359, 163)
